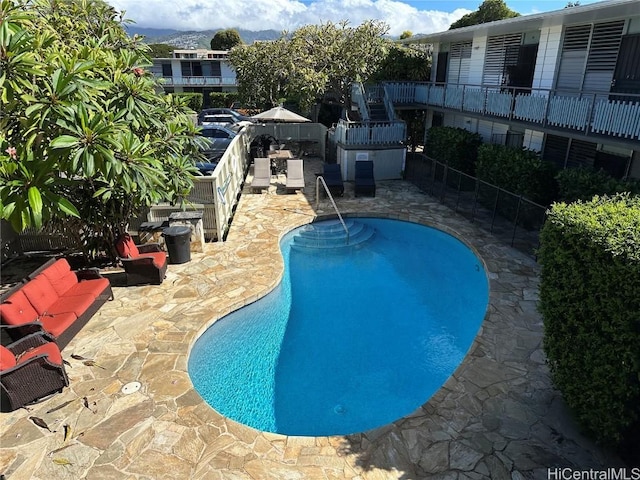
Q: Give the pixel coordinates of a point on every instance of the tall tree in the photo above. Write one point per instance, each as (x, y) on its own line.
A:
(225, 39)
(404, 64)
(85, 140)
(340, 54)
(160, 50)
(311, 62)
(261, 73)
(489, 11)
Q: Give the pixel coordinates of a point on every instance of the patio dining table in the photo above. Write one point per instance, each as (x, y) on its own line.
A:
(279, 160)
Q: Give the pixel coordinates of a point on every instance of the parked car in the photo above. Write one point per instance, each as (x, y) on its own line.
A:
(218, 138)
(238, 117)
(206, 168)
(218, 119)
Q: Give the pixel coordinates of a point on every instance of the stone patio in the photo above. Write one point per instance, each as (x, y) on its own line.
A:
(497, 417)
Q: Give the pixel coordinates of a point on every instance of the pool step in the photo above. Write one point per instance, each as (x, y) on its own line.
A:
(331, 234)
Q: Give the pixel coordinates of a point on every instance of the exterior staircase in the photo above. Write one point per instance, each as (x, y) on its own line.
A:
(378, 112)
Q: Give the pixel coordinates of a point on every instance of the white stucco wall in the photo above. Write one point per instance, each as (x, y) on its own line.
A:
(388, 164)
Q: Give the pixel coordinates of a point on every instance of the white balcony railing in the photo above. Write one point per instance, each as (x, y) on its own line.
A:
(613, 114)
(199, 81)
(370, 133)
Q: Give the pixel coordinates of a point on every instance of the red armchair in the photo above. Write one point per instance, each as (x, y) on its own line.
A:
(31, 368)
(142, 263)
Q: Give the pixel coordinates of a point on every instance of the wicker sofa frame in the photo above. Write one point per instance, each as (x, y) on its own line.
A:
(32, 379)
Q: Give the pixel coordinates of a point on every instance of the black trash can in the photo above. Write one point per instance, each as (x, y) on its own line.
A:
(178, 241)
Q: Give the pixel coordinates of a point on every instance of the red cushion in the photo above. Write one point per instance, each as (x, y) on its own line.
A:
(7, 359)
(17, 310)
(159, 258)
(60, 276)
(49, 348)
(77, 304)
(57, 324)
(126, 247)
(94, 287)
(40, 293)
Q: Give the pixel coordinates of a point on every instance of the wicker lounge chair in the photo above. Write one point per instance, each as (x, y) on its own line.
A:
(365, 183)
(333, 178)
(142, 264)
(295, 174)
(31, 368)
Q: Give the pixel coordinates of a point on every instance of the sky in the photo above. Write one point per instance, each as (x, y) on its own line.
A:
(417, 16)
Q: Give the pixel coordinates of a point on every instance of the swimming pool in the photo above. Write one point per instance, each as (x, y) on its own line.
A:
(353, 338)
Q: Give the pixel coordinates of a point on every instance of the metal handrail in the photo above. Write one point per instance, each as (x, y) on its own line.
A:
(335, 207)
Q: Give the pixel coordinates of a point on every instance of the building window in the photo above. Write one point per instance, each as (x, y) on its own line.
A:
(216, 71)
(166, 70)
(191, 69)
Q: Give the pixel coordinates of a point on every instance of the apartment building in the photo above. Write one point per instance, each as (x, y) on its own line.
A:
(565, 83)
(201, 71)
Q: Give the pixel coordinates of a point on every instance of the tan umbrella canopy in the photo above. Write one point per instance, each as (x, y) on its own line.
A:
(280, 114)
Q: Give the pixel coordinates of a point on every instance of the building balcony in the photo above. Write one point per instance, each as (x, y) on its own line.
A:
(369, 133)
(198, 81)
(594, 114)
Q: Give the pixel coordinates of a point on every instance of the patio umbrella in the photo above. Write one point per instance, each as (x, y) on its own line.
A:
(280, 114)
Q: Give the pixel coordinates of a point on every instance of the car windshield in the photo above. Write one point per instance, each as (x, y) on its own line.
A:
(217, 133)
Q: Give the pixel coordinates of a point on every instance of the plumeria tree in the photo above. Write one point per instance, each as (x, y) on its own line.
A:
(310, 63)
(86, 139)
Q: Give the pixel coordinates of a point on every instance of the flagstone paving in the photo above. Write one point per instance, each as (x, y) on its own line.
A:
(498, 416)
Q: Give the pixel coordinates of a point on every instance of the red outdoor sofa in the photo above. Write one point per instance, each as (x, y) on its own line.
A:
(56, 299)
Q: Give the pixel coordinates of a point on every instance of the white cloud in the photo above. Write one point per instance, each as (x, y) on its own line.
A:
(282, 14)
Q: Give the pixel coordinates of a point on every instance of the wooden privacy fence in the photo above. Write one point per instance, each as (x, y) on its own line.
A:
(214, 195)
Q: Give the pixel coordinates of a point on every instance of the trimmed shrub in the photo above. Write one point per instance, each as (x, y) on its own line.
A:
(195, 99)
(583, 183)
(590, 302)
(222, 99)
(456, 147)
(517, 170)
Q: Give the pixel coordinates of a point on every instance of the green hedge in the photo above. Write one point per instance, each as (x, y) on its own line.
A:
(223, 99)
(583, 183)
(195, 99)
(519, 171)
(590, 302)
(456, 147)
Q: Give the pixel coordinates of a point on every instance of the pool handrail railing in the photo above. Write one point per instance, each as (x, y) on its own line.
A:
(319, 180)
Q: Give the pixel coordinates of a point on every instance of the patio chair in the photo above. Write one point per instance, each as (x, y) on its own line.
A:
(365, 183)
(261, 173)
(142, 264)
(295, 174)
(333, 178)
(31, 369)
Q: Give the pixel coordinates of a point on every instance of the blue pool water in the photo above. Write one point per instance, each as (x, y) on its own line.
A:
(353, 338)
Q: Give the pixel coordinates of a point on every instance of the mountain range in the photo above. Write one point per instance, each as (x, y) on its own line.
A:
(195, 39)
